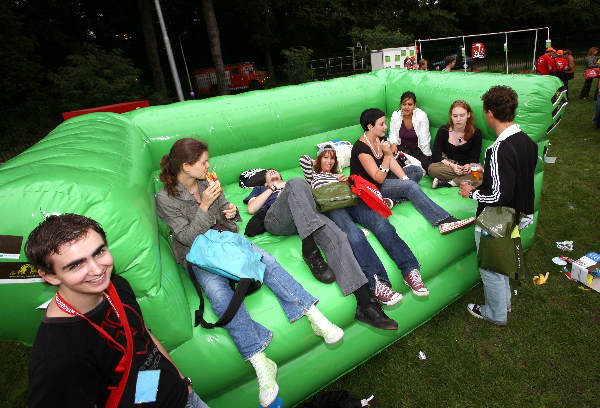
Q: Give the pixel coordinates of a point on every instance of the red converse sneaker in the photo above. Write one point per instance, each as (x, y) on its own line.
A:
(413, 279)
(454, 225)
(385, 294)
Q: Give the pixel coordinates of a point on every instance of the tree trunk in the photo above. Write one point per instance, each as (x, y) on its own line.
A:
(269, 62)
(212, 29)
(147, 22)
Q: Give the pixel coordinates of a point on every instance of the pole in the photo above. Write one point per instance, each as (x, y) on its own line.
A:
(464, 54)
(169, 51)
(534, 50)
(192, 94)
(506, 50)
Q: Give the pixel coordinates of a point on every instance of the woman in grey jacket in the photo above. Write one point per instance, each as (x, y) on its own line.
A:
(191, 205)
(591, 61)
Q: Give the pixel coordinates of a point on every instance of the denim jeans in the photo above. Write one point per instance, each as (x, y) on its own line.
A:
(371, 265)
(597, 115)
(396, 188)
(194, 401)
(295, 212)
(496, 290)
(249, 336)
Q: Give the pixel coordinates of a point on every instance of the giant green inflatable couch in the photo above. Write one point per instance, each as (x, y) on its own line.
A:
(105, 166)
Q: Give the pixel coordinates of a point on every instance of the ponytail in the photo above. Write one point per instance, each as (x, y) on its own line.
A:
(186, 150)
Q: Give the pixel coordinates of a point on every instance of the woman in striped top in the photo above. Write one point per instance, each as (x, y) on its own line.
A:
(325, 172)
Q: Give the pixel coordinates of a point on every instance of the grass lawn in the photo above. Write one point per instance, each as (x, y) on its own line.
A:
(544, 357)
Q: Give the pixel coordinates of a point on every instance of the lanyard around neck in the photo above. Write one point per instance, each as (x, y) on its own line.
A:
(124, 365)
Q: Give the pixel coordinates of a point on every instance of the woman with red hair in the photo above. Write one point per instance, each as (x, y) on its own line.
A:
(456, 148)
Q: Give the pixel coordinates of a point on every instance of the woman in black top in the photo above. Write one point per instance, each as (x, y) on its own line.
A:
(456, 149)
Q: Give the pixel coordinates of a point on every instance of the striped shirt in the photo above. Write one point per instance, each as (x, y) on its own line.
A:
(315, 179)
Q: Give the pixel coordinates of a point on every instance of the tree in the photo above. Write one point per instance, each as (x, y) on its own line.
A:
(96, 77)
(150, 41)
(212, 28)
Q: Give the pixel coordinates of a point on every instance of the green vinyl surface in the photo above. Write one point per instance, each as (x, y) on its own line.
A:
(105, 166)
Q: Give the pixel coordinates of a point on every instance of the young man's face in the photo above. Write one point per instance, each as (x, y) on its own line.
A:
(82, 267)
(272, 176)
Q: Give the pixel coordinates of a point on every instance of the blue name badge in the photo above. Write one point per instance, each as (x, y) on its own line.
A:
(146, 386)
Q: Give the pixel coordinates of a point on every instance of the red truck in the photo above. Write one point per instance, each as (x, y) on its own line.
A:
(240, 77)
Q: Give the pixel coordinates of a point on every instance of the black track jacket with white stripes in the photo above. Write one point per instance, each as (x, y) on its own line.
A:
(509, 173)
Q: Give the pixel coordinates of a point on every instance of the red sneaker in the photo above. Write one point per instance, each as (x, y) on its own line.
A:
(385, 294)
(413, 279)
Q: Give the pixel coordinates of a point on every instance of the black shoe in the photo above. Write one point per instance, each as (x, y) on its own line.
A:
(373, 315)
(319, 267)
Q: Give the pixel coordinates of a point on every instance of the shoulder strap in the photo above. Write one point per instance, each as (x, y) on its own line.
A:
(243, 287)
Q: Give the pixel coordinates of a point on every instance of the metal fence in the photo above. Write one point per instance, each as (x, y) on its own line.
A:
(337, 66)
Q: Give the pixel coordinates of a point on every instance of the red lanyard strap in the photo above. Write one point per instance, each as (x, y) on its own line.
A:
(124, 365)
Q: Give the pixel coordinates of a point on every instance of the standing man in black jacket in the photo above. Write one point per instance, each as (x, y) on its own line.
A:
(507, 181)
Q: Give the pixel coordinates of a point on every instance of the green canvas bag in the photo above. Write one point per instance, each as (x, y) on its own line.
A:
(333, 196)
(500, 248)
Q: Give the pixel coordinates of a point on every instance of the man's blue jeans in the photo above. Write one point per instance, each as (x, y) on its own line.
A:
(249, 336)
(496, 290)
(396, 188)
(194, 401)
(597, 115)
(371, 265)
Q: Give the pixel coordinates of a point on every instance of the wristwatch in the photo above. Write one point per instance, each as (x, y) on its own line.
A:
(471, 193)
(274, 188)
(187, 380)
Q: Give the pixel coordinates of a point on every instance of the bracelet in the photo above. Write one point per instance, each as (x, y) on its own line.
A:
(187, 380)
(471, 193)
(383, 169)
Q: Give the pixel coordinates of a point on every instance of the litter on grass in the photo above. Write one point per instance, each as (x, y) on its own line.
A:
(565, 245)
(422, 356)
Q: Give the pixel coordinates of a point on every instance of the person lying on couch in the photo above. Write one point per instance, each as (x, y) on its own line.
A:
(290, 209)
(190, 206)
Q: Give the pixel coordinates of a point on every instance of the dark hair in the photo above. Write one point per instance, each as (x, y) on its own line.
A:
(502, 101)
(186, 150)
(469, 126)
(568, 52)
(54, 232)
(408, 95)
(369, 117)
(450, 59)
(422, 63)
(334, 169)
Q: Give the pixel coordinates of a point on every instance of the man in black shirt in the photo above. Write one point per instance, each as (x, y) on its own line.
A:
(508, 180)
(92, 348)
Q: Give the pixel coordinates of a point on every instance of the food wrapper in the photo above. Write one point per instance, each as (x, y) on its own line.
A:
(211, 177)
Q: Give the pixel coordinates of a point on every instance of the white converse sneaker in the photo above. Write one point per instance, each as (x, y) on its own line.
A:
(266, 371)
(322, 327)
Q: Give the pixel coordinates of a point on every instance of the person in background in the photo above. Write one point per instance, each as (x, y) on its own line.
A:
(545, 63)
(456, 149)
(508, 180)
(570, 71)
(591, 61)
(450, 63)
(93, 346)
(423, 65)
(596, 119)
(409, 130)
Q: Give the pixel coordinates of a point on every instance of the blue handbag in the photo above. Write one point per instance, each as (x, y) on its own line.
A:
(229, 255)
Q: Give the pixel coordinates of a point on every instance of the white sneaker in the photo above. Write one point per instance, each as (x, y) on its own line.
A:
(322, 327)
(266, 371)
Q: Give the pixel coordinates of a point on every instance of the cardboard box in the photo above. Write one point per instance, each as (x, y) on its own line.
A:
(581, 269)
